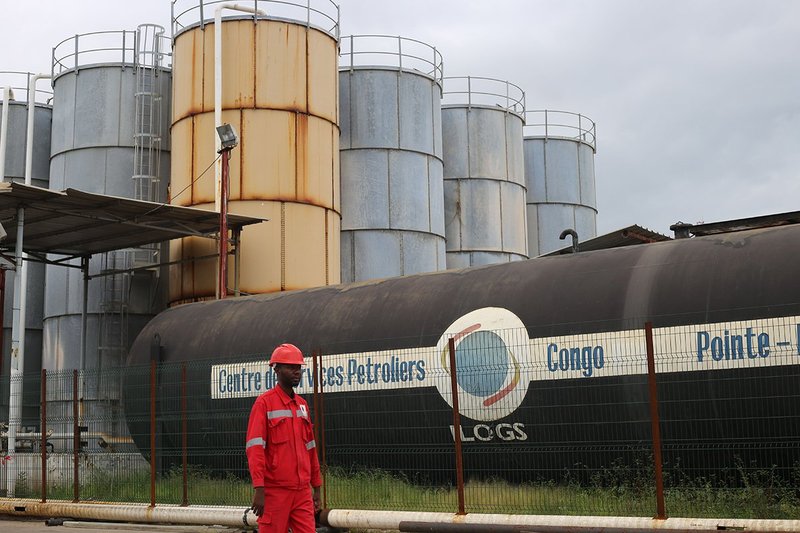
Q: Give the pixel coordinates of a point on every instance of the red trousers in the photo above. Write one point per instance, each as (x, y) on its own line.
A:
(287, 508)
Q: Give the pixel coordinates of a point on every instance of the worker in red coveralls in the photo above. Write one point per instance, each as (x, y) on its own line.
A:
(281, 451)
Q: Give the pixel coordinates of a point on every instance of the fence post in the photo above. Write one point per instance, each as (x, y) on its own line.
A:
(43, 432)
(315, 400)
(319, 422)
(153, 433)
(184, 443)
(451, 344)
(655, 423)
(76, 440)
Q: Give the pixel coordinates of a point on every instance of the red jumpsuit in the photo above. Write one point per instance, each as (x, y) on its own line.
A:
(282, 457)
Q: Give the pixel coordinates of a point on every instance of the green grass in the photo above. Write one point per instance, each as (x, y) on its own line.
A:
(760, 494)
(615, 491)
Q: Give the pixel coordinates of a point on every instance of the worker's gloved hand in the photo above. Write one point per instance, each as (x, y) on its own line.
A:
(317, 500)
(258, 502)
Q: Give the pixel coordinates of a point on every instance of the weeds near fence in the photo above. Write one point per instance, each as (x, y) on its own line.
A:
(203, 488)
(614, 491)
(618, 490)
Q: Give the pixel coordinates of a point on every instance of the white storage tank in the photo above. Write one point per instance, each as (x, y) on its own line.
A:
(390, 91)
(484, 181)
(14, 170)
(559, 174)
(101, 131)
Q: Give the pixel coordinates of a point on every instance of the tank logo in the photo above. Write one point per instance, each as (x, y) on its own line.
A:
(489, 344)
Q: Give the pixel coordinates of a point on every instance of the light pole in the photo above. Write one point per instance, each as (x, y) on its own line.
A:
(228, 141)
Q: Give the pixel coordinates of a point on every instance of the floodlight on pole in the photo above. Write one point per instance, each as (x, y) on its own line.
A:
(227, 141)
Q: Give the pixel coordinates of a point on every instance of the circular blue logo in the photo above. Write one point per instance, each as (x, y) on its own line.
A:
(482, 363)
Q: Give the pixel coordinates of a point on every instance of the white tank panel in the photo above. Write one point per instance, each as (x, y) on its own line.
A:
(436, 197)
(587, 179)
(515, 155)
(486, 147)
(408, 191)
(415, 99)
(17, 140)
(562, 175)
(373, 109)
(585, 222)
(365, 189)
(420, 252)
(345, 137)
(533, 150)
(513, 219)
(455, 151)
(480, 220)
(383, 265)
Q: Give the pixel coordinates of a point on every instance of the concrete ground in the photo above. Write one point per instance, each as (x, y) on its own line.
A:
(10, 524)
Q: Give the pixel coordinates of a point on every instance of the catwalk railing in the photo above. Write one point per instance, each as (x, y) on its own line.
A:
(699, 420)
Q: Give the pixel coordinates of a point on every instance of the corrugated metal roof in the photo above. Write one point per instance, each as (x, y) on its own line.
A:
(739, 224)
(628, 236)
(77, 223)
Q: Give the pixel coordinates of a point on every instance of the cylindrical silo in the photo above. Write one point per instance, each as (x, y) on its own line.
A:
(391, 157)
(280, 93)
(559, 173)
(14, 170)
(484, 182)
(110, 88)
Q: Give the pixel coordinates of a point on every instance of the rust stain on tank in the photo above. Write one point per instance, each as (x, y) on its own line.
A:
(280, 198)
(301, 150)
(242, 152)
(193, 97)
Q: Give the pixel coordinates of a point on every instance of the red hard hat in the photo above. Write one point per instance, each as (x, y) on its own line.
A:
(288, 354)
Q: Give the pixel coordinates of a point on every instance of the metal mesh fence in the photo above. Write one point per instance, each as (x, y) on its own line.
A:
(560, 425)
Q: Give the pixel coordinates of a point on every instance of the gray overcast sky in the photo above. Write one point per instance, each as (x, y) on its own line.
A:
(697, 102)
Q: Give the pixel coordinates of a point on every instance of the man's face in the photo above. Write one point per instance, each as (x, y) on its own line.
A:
(288, 375)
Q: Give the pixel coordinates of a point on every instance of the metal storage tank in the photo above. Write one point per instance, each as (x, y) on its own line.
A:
(280, 92)
(390, 91)
(559, 173)
(14, 170)
(110, 90)
(484, 182)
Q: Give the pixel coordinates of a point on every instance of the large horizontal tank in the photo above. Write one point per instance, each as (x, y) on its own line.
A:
(280, 93)
(484, 179)
(390, 91)
(382, 344)
(559, 174)
(14, 170)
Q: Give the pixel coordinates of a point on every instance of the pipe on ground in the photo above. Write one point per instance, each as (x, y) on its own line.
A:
(392, 520)
(133, 512)
(502, 523)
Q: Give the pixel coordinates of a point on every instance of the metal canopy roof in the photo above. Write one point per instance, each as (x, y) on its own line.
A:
(628, 236)
(77, 223)
(682, 230)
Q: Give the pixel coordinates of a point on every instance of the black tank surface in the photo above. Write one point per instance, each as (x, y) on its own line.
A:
(387, 335)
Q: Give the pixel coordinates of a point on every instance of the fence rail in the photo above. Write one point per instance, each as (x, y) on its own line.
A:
(697, 421)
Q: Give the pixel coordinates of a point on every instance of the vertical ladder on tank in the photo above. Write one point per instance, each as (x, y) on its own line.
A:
(114, 306)
(117, 265)
(148, 124)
